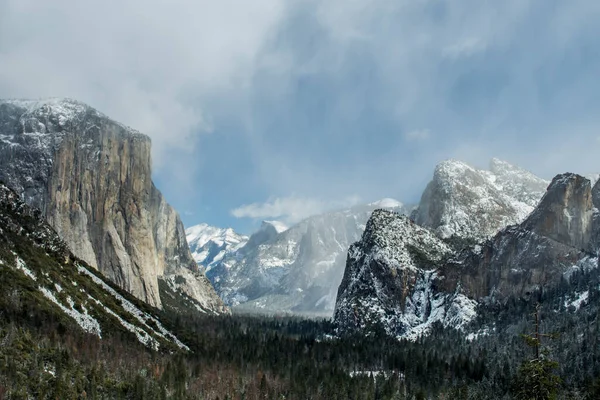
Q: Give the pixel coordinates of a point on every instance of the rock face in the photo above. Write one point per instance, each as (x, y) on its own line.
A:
(297, 270)
(565, 212)
(390, 281)
(536, 254)
(470, 203)
(91, 178)
(384, 286)
(268, 231)
(36, 263)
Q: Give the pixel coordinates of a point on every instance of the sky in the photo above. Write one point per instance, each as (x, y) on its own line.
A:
(273, 109)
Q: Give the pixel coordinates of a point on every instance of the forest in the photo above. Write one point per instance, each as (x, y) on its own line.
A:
(503, 354)
(240, 357)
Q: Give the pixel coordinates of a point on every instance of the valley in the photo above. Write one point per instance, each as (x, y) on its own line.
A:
(104, 294)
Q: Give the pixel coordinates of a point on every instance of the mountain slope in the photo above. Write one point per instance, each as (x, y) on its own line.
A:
(297, 270)
(40, 277)
(91, 178)
(538, 254)
(384, 288)
(470, 203)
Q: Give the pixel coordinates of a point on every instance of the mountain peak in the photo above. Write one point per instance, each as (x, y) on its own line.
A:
(277, 225)
(565, 212)
(468, 202)
(91, 176)
(54, 115)
(210, 244)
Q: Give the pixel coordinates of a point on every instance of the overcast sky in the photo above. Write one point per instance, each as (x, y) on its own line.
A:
(269, 109)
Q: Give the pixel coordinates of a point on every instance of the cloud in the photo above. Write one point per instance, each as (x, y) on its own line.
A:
(417, 135)
(247, 101)
(152, 66)
(291, 209)
(464, 48)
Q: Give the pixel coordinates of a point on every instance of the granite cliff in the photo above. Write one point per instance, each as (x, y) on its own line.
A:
(91, 178)
(402, 278)
(475, 204)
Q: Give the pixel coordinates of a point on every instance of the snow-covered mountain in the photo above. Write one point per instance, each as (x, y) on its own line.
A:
(91, 177)
(470, 203)
(402, 278)
(390, 281)
(295, 270)
(210, 244)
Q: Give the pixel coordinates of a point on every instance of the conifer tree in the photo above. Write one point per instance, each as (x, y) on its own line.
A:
(535, 378)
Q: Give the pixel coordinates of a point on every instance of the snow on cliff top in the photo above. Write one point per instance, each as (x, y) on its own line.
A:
(199, 235)
(387, 203)
(468, 202)
(61, 110)
(393, 235)
(278, 225)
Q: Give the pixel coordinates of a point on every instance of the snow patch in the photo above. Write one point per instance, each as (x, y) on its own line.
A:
(139, 315)
(142, 336)
(375, 373)
(387, 203)
(580, 299)
(85, 321)
(23, 267)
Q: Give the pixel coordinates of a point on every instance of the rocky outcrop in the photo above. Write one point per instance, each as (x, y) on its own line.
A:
(475, 204)
(383, 286)
(91, 178)
(390, 282)
(536, 254)
(565, 212)
(36, 264)
(268, 231)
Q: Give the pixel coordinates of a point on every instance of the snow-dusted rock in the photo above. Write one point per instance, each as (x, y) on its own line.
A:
(91, 178)
(66, 284)
(390, 282)
(210, 244)
(476, 204)
(523, 258)
(565, 212)
(296, 270)
(401, 278)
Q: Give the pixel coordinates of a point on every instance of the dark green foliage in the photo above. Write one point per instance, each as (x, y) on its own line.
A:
(45, 355)
(536, 380)
(458, 243)
(419, 257)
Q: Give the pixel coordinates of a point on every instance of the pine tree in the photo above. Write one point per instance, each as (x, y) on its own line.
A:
(535, 378)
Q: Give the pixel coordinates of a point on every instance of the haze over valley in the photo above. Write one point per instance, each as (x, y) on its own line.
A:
(299, 200)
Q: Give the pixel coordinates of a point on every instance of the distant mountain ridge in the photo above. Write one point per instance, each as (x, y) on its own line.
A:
(296, 270)
(299, 270)
(209, 244)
